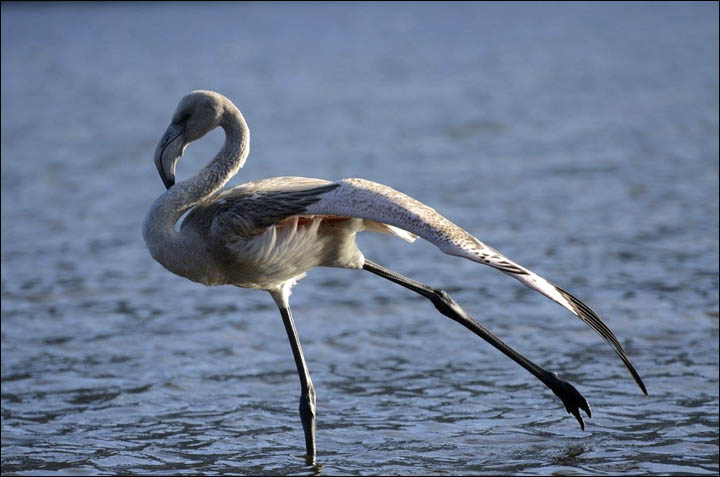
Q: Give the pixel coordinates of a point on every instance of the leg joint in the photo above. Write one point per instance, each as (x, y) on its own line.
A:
(443, 295)
(307, 406)
(445, 304)
(307, 401)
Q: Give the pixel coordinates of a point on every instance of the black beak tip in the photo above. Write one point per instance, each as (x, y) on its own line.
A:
(168, 181)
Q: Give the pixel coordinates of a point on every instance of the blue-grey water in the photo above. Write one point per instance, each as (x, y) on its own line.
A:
(581, 140)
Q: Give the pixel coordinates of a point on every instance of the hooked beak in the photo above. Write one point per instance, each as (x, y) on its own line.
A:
(168, 153)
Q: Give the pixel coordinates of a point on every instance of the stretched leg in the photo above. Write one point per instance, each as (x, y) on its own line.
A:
(570, 396)
(307, 391)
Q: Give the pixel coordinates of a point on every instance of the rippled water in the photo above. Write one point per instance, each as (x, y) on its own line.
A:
(580, 140)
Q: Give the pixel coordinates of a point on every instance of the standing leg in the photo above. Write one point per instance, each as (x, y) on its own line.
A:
(307, 391)
(570, 396)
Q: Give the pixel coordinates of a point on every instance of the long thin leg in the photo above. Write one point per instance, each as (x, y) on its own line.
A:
(307, 391)
(570, 396)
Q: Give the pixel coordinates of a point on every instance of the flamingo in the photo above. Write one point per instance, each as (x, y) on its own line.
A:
(267, 234)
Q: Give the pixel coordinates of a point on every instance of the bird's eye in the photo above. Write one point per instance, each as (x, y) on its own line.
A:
(182, 118)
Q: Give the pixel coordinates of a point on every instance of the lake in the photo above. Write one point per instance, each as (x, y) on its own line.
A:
(581, 140)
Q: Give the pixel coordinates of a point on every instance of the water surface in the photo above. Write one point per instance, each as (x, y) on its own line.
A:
(579, 139)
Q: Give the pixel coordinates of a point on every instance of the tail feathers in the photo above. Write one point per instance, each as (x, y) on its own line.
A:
(389, 229)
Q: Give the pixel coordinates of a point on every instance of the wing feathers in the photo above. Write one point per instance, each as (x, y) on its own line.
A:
(249, 211)
(250, 208)
(589, 317)
(377, 202)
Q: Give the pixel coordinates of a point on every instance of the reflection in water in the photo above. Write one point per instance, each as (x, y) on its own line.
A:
(579, 139)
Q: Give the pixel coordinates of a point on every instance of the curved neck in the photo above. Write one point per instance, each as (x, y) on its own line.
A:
(221, 169)
(164, 243)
